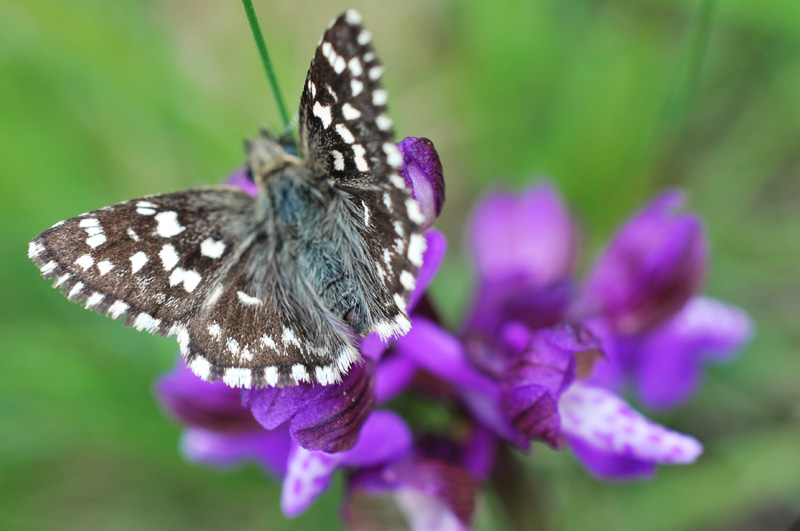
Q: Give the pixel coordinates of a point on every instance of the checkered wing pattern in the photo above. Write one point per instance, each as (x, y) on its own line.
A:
(346, 137)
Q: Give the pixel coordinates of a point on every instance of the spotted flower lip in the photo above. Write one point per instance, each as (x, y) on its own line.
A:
(422, 172)
(653, 266)
(616, 442)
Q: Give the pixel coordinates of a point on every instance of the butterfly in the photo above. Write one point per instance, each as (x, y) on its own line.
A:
(275, 289)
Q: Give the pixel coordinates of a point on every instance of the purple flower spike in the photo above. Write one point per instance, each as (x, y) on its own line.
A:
(325, 418)
(602, 420)
(423, 174)
(653, 266)
(528, 240)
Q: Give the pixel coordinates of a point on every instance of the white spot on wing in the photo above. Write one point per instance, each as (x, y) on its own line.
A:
(323, 112)
(201, 367)
(145, 208)
(89, 222)
(214, 297)
(326, 375)
(353, 17)
(169, 256)
(85, 261)
(97, 239)
(361, 162)
(350, 113)
(288, 337)
(333, 92)
(48, 267)
(145, 322)
(375, 73)
(247, 299)
(356, 86)
(105, 266)
(379, 97)
(214, 330)
(271, 376)
(237, 377)
(168, 225)
(393, 156)
(138, 261)
(35, 249)
(397, 181)
(299, 373)
(327, 49)
(407, 280)
(355, 66)
(416, 246)
(400, 302)
(339, 64)
(212, 248)
(414, 212)
(363, 38)
(366, 214)
(132, 234)
(338, 160)
(117, 309)
(189, 279)
(383, 122)
(94, 299)
(267, 342)
(232, 346)
(345, 133)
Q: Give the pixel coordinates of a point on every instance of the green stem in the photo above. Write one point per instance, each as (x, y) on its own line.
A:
(688, 73)
(252, 19)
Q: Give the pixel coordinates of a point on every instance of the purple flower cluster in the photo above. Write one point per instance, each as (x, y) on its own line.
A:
(540, 357)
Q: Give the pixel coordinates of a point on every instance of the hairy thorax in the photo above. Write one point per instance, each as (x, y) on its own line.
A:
(304, 217)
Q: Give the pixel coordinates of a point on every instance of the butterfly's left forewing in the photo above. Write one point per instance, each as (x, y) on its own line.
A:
(152, 260)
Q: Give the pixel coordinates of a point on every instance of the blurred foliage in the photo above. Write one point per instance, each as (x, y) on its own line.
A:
(613, 100)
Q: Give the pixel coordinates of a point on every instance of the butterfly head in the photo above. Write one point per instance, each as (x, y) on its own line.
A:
(267, 156)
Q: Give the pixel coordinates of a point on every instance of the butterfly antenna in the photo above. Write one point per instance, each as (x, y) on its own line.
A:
(255, 27)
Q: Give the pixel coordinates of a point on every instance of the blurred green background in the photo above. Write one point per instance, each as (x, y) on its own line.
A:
(614, 100)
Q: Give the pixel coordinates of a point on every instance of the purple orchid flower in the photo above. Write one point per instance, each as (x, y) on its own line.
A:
(641, 299)
(525, 370)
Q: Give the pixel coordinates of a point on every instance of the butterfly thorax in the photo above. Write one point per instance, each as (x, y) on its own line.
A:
(302, 214)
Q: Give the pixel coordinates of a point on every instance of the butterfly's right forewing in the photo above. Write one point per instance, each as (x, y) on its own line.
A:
(346, 137)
